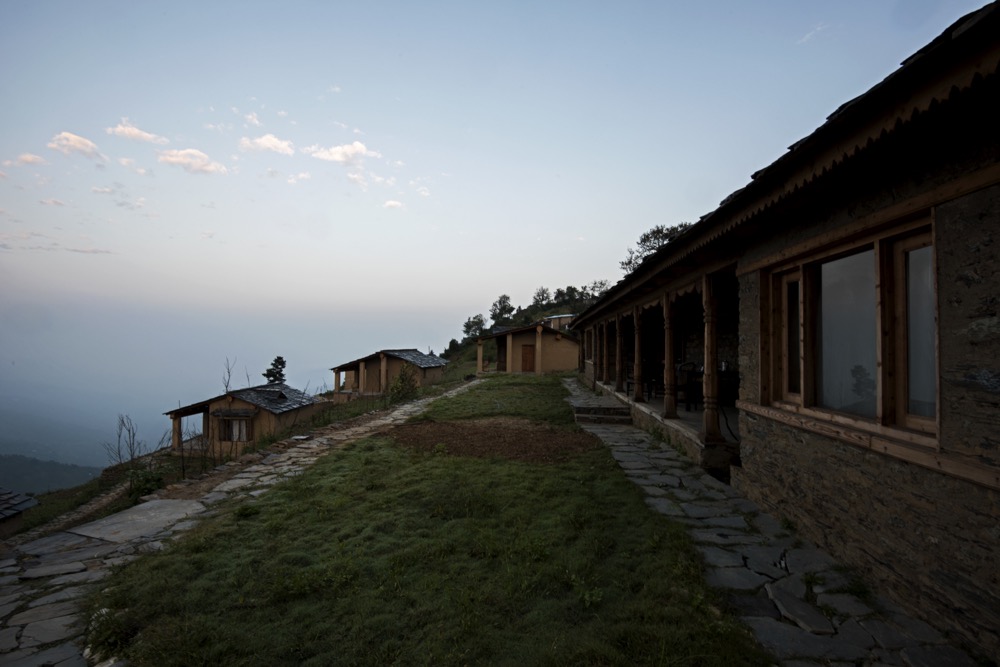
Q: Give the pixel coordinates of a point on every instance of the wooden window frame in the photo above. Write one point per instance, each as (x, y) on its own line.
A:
(892, 420)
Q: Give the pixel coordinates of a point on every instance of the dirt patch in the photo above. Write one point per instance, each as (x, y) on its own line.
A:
(515, 439)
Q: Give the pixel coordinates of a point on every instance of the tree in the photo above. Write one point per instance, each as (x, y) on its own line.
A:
(474, 326)
(542, 296)
(276, 373)
(649, 242)
(501, 310)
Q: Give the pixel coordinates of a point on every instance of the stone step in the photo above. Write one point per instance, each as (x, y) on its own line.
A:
(621, 419)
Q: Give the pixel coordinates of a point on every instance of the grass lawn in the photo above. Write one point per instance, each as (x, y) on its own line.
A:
(384, 553)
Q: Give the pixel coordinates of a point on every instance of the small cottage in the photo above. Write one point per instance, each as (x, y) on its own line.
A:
(537, 349)
(234, 420)
(374, 374)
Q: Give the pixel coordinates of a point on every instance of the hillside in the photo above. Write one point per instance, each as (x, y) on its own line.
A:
(27, 475)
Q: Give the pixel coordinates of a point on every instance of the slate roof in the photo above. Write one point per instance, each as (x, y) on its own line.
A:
(413, 356)
(12, 503)
(276, 398)
(496, 332)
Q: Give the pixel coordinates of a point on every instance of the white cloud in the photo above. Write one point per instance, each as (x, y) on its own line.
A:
(392, 203)
(130, 131)
(812, 33)
(67, 142)
(130, 163)
(102, 191)
(192, 160)
(345, 153)
(282, 113)
(51, 202)
(423, 191)
(29, 158)
(334, 89)
(301, 176)
(3, 174)
(251, 119)
(358, 178)
(268, 142)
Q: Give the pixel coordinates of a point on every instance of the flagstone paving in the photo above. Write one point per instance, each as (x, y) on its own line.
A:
(42, 580)
(791, 595)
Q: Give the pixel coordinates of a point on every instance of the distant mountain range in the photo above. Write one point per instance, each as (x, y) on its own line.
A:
(27, 475)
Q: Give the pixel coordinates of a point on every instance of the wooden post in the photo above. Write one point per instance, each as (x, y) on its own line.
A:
(510, 353)
(479, 355)
(711, 434)
(176, 436)
(619, 355)
(383, 373)
(637, 394)
(669, 363)
(336, 382)
(362, 377)
(538, 350)
(604, 352)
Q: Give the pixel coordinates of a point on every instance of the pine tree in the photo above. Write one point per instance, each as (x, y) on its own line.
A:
(276, 373)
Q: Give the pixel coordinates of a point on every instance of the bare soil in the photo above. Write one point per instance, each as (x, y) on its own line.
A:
(498, 437)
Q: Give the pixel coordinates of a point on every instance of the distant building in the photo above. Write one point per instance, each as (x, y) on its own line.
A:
(374, 374)
(532, 349)
(558, 321)
(12, 506)
(231, 421)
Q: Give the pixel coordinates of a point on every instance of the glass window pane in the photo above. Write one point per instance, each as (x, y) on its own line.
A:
(792, 336)
(846, 379)
(921, 361)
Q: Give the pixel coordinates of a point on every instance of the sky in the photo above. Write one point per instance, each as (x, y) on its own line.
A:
(183, 183)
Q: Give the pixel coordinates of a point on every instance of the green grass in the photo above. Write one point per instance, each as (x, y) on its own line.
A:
(381, 555)
(539, 398)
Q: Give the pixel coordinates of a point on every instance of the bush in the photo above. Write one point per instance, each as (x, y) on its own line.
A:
(404, 387)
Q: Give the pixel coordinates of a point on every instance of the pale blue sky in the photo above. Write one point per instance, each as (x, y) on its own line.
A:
(182, 181)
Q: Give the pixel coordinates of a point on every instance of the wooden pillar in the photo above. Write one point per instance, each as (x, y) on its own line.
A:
(669, 363)
(711, 432)
(336, 382)
(619, 355)
(479, 355)
(362, 377)
(383, 373)
(176, 436)
(638, 395)
(538, 350)
(602, 374)
(510, 353)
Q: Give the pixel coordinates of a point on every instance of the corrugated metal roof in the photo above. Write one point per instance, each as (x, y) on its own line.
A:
(13, 503)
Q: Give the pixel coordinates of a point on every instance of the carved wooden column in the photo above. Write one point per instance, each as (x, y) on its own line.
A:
(619, 355)
(710, 388)
(637, 394)
(669, 363)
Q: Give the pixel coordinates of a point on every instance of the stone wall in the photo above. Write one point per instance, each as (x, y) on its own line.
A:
(967, 244)
(924, 539)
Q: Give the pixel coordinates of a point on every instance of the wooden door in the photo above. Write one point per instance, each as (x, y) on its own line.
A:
(527, 358)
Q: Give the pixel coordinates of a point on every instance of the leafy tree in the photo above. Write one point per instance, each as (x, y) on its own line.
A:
(597, 288)
(649, 242)
(542, 296)
(276, 373)
(501, 310)
(474, 326)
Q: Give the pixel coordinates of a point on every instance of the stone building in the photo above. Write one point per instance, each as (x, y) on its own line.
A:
(829, 337)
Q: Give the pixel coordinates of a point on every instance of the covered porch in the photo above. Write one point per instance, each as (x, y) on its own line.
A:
(673, 356)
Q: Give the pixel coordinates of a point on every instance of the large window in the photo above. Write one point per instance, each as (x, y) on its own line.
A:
(854, 334)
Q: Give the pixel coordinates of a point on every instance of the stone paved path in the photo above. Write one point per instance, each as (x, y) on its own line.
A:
(42, 580)
(790, 594)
